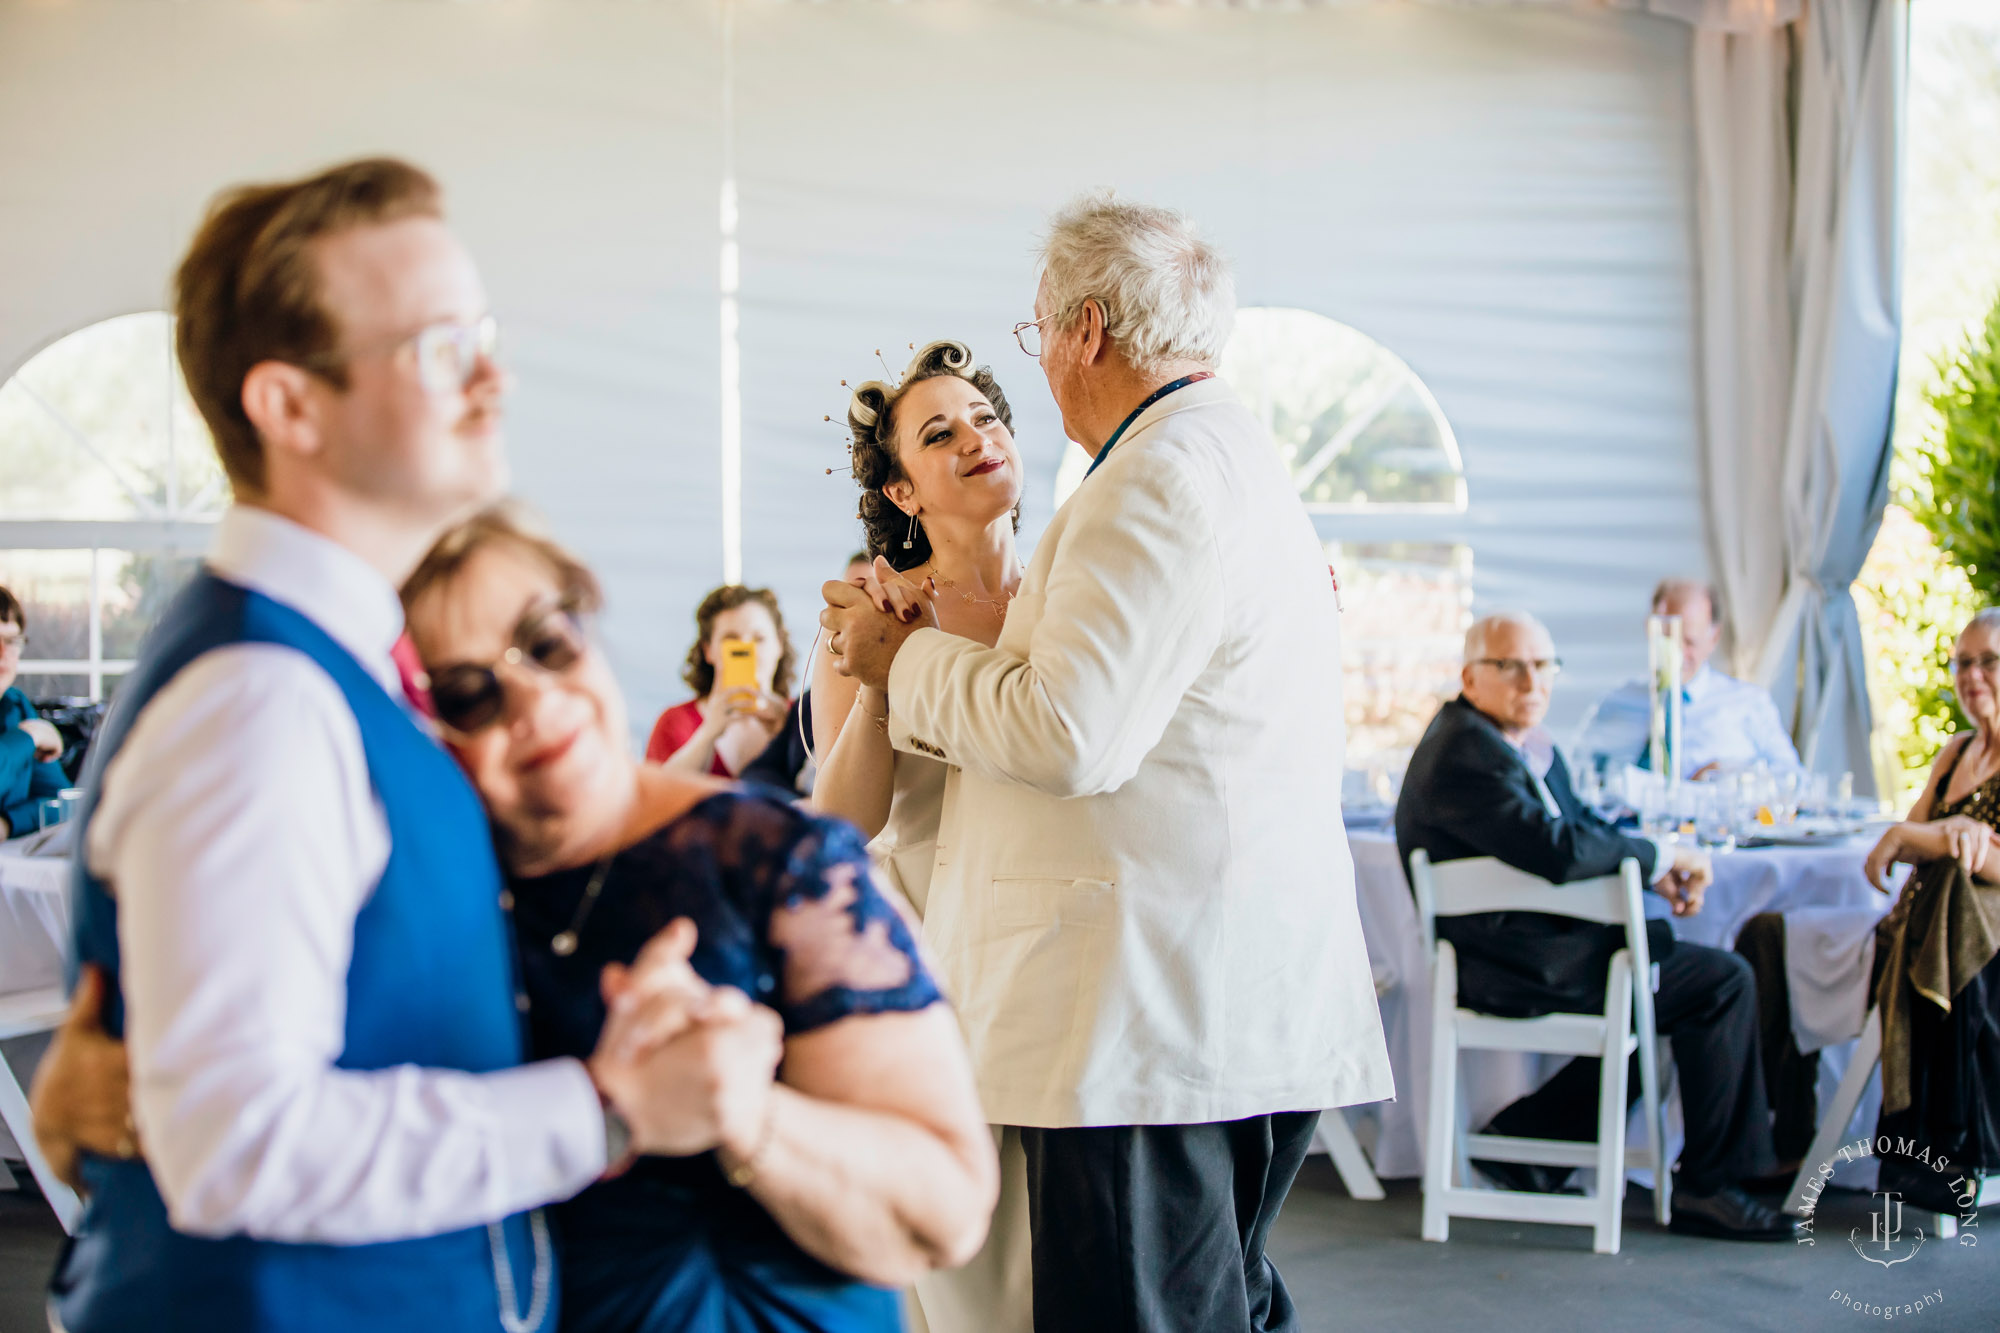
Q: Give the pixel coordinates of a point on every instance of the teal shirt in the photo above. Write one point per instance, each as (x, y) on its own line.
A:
(23, 781)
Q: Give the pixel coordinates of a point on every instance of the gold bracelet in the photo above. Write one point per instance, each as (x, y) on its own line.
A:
(882, 722)
(745, 1171)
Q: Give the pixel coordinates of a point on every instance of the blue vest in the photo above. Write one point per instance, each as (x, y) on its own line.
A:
(430, 983)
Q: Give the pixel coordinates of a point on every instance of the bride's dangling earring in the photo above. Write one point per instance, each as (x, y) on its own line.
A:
(910, 537)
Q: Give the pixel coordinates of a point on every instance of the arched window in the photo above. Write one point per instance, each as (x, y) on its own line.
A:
(112, 487)
(1362, 435)
(1357, 428)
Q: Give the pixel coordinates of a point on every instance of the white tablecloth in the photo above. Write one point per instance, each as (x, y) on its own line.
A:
(34, 918)
(34, 931)
(1774, 879)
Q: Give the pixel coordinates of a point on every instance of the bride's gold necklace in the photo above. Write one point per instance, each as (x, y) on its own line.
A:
(970, 599)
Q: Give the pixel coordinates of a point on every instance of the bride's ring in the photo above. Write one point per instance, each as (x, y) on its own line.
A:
(831, 651)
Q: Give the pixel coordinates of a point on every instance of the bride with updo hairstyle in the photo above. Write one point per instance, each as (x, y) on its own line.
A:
(871, 414)
(940, 486)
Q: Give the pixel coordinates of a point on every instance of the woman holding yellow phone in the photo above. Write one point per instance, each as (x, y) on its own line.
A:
(740, 668)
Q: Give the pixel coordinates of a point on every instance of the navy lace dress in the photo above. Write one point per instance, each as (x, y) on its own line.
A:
(788, 913)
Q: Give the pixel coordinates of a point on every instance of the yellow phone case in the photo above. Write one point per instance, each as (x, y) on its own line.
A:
(739, 664)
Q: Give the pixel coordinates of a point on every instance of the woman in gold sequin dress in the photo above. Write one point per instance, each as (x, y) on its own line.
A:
(1936, 980)
(1935, 975)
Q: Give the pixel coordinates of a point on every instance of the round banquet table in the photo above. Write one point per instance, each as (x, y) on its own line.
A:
(1747, 882)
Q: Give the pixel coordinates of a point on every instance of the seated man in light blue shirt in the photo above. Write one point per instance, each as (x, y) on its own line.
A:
(1726, 724)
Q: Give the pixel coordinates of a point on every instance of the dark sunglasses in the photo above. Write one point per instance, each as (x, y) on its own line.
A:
(468, 698)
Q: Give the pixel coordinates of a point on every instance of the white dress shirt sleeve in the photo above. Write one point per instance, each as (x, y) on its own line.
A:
(1767, 733)
(241, 835)
(1132, 616)
(1663, 858)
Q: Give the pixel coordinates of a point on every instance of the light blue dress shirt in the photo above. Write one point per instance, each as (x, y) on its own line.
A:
(1723, 721)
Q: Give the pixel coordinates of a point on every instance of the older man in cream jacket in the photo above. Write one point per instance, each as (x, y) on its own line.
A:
(1143, 900)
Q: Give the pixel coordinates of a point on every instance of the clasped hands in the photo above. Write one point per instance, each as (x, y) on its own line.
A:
(690, 1066)
(1686, 881)
(868, 620)
(744, 703)
(1960, 837)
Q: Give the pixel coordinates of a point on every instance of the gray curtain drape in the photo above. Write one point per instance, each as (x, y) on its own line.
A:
(1797, 152)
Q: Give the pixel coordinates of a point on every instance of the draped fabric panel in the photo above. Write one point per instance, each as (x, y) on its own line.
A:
(1847, 242)
(1801, 305)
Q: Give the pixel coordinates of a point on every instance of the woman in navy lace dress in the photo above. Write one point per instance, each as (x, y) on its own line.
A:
(831, 1145)
(804, 1197)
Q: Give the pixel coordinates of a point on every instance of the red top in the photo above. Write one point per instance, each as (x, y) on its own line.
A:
(676, 728)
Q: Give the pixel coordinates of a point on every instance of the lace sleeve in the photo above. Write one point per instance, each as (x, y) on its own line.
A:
(843, 946)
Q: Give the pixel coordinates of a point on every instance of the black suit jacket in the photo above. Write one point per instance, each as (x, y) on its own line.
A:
(1469, 793)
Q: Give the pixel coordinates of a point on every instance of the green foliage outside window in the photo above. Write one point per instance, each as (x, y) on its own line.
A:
(1951, 488)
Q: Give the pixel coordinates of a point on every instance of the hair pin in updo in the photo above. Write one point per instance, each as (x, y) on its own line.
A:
(846, 435)
(866, 402)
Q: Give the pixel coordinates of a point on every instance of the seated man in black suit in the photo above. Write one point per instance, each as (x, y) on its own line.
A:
(1485, 781)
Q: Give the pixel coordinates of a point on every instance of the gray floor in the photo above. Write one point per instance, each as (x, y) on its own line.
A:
(1360, 1266)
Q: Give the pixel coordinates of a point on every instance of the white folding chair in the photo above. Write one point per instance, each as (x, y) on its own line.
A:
(23, 1015)
(1833, 1130)
(1336, 1136)
(1459, 888)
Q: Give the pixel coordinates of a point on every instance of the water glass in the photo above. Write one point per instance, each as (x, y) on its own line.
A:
(1790, 787)
(1647, 793)
(1590, 785)
(1716, 816)
(48, 812)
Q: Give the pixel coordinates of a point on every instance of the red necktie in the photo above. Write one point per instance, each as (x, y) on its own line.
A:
(410, 670)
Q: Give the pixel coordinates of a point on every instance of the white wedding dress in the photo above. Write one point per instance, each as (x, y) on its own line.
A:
(994, 1292)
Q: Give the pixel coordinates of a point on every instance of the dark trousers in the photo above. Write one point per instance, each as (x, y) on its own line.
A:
(1161, 1228)
(1707, 1002)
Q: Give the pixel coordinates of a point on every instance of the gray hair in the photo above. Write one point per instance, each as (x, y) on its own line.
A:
(1482, 630)
(1167, 294)
(1988, 620)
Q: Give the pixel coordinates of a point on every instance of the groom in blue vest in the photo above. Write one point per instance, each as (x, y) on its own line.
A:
(288, 885)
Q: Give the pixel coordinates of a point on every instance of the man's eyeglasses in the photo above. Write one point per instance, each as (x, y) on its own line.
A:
(1983, 663)
(13, 642)
(1028, 333)
(1514, 668)
(448, 352)
(469, 698)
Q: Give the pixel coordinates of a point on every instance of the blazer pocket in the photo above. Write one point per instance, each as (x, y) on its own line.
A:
(1022, 903)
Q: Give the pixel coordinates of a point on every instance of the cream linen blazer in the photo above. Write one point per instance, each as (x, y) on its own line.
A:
(1142, 903)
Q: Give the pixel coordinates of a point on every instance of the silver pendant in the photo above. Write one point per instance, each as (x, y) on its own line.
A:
(564, 944)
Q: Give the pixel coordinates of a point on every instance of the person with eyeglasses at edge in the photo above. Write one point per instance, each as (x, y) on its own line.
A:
(1487, 781)
(30, 745)
(286, 896)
